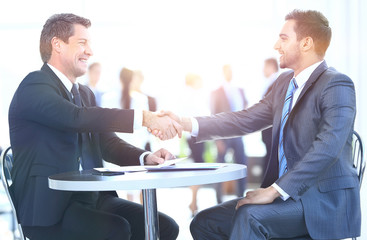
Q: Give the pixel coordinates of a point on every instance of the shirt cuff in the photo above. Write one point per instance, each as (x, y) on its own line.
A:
(138, 119)
(142, 156)
(195, 127)
(283, 195)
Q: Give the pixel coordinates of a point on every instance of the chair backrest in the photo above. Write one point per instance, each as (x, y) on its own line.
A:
(6, 164)
(358, 156)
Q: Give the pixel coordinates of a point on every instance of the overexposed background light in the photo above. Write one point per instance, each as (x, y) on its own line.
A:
(167, 39)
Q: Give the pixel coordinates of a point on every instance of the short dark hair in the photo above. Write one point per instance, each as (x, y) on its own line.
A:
(273, 62)
(313, 24)
(60, 26)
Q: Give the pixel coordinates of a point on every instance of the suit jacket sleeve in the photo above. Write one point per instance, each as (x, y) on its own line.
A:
(48, 107)
(235, 124)
(118, 151)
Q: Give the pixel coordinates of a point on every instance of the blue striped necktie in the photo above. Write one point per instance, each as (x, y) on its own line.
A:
(285, 113)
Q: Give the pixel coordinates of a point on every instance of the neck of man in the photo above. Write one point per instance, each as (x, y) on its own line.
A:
(306, 62)
(59, 66)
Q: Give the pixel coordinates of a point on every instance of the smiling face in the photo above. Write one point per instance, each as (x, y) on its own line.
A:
(73, 56)
(289, 47)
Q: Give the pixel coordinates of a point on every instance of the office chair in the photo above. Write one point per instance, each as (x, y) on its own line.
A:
(358, 158)
(358, 163)
(6, 166)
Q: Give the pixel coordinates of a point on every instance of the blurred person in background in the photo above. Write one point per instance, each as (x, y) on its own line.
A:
(194, 101)
(271, 73)
(130, 96)
(94, 75)
(229, 98)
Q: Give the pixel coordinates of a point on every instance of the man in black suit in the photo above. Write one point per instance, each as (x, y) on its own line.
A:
(229, 98)
(310, 186)
(56, 127)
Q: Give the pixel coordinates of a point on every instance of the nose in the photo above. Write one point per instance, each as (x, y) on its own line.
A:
(88, 50)
(276, 45)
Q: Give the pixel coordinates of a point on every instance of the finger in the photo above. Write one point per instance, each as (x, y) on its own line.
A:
(169, 131)
(172, 131)
(168, 155)
(163, 113)
(250, 193)
(239, 203)
(178, 128)
(158, 133)
(158, 160)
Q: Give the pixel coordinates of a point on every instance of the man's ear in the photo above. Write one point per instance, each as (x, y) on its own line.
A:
(307, 44)
(56, 44)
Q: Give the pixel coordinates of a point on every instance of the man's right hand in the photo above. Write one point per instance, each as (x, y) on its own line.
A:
(185, 122)
(163, 126)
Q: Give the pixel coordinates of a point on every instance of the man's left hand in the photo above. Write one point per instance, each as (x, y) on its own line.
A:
(259, 196)
(159, 157)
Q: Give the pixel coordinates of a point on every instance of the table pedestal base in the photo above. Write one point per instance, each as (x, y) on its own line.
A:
(150, 214)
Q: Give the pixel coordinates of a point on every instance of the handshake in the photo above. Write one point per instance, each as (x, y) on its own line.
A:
(165, 124)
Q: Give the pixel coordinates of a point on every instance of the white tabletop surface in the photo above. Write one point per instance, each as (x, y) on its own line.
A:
(86, 181)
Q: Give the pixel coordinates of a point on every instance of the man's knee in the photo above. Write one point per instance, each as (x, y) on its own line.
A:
(119, 228)
(196, 224)
(249, 214)
(168, 227)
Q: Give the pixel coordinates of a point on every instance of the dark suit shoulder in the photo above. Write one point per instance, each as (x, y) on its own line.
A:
(332, 73)
(37, 78)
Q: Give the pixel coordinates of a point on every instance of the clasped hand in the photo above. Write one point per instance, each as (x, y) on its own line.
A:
(161, 125)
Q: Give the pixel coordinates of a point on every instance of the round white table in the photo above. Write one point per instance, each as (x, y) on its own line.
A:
(87, 180)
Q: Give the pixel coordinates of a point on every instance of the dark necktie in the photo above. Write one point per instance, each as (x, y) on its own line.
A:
(83, 138)
(283, 168)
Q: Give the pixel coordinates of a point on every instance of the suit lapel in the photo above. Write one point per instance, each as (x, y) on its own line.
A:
(313, 78)
(84, 96)
(64, 92)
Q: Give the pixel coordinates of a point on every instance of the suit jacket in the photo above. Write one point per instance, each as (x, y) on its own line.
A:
(317, 145)
(43, 123)
(219, 100)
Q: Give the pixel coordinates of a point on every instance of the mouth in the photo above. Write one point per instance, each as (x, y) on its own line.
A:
(83, 61)
(281, 55)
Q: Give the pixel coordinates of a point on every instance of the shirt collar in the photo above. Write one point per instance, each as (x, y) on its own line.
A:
(67, 83)
(303, 76)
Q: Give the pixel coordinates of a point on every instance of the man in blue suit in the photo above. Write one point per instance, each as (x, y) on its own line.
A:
(56, 127)
(310, 187)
